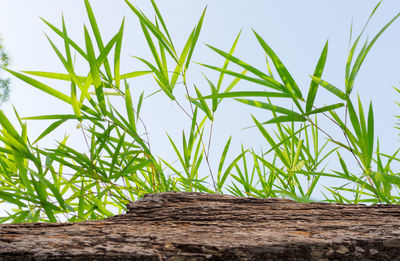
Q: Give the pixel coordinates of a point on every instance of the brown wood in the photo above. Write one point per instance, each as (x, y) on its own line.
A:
(193, 226)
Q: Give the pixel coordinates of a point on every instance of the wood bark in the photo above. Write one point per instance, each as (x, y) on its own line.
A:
(195, 226)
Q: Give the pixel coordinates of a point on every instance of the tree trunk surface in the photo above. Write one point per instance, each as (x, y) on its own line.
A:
(195, 226)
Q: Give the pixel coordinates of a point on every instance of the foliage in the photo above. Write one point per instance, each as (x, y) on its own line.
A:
(4, 83)
(117, 165)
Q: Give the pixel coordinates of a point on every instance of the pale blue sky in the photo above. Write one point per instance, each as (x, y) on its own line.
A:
(296, 30)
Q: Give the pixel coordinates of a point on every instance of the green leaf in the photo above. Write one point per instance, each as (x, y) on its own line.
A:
(204, 105)
(97, 35)
(117, 55)
(354, 119)
(351, 53)
(153, 50)
(317, 74)
(281, 119)
(226, 63)
(67, 64)
(223, 157)
(228, 170)
(60, 33)
(271, 142)
(246, 94)
(159, 16)
(194, 39)
(283, 72)
(157, 33)
(94, 69)
(269, 83)
(134, 74)
(74, 102)
(57, 76)
(129, 107)
(10, 197)
(370, 138)
(364, 52)
(272, 83)
(330, 87)
(49, 129)
(325, 108)
(270, 107)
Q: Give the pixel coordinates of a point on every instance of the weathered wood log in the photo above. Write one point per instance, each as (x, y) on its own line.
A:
(195, 226)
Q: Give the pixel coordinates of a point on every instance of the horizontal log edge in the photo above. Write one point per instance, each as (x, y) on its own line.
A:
(199, 226)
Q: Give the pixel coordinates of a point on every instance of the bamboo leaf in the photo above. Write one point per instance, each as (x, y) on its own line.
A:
(317, 74)
(246, 94)
(330, 87)
(117, 55)
(271, 82)
(157, 33)
(270, 107)
(204, 105)
(266, 82)
(129, 107)
(281, 119)
(226, 63)
(49, 129)
(97, 35)
(56, 76)
(134, 74)
(223, 157)
(60, 33)
(194, 39)
(354, 119)
(325, 108)
(282, 71)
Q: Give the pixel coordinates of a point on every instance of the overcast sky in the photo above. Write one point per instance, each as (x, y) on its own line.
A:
(296, 30)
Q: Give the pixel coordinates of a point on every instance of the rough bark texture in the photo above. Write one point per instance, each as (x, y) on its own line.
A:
(194, 226)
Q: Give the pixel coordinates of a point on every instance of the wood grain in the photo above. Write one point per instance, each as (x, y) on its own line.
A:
(196, 226)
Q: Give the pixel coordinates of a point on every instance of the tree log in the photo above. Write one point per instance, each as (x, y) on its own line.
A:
(195, 226)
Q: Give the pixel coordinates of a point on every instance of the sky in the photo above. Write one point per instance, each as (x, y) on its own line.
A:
(296, 30)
